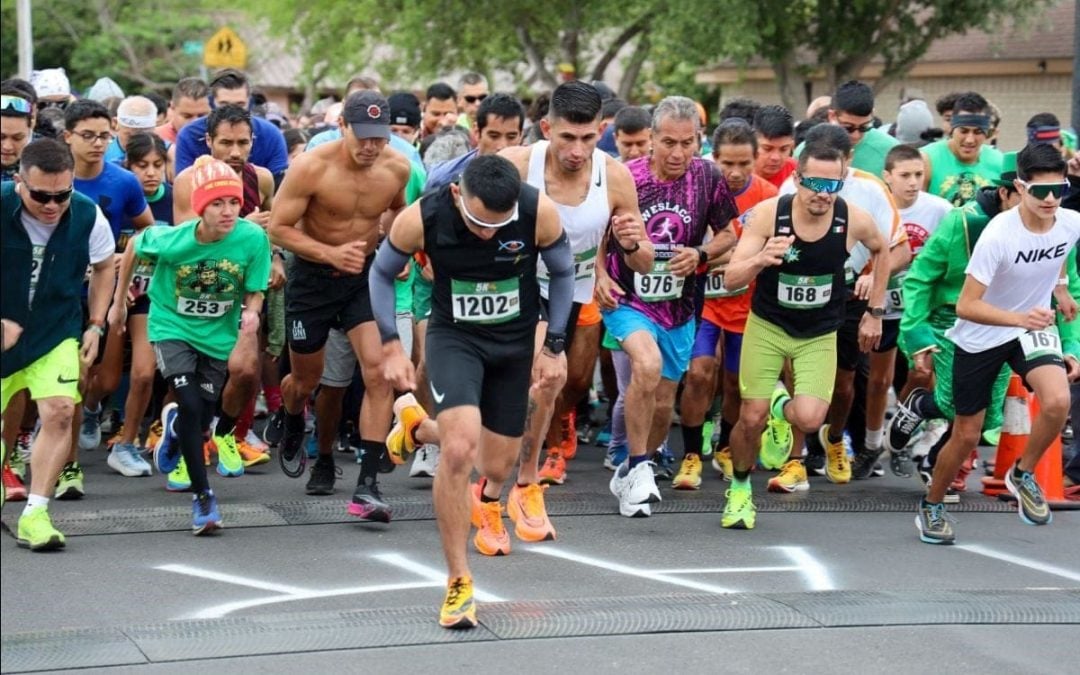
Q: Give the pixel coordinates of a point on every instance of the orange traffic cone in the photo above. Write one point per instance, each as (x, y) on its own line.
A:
(1014, 434)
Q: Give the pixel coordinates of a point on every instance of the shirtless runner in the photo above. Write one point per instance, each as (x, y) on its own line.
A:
(327, 213)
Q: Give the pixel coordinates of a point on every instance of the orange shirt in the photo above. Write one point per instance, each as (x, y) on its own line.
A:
(730, 311)
(166, 132)
(789, 168)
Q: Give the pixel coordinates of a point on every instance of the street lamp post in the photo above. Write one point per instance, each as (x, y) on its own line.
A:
(26, 38)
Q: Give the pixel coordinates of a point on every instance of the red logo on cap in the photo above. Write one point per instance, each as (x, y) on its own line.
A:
(374, 111)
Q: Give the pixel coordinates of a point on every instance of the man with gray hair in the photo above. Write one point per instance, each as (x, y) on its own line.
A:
(472, 89)
(651, 314)
(136, 114)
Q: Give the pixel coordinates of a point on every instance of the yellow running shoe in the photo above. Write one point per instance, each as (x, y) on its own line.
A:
(36, 531)
(689, 476)
(459, 608)
(739, 511)
(526, 509)
(776, 440)
(792, 478)
(408, 414)
(491, 537)
(722, 462)
(837, 463)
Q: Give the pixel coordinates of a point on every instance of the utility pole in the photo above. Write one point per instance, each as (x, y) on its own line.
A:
(26, 39)
(1076, 69)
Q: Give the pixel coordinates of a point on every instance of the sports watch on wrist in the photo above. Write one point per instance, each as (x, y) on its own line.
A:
(555, 343)
(876, 312)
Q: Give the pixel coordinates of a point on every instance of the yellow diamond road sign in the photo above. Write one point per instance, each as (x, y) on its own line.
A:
(225, 50)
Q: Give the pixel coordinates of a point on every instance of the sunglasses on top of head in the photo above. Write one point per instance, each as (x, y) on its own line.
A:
(19, 105)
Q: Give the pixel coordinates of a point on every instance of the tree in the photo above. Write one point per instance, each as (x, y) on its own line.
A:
(138, 43)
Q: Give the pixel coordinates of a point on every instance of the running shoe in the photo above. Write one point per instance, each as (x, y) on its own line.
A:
(722, 462)
(1031, 504)
(777, 438)
(153, 435)
(408, 414)
(229, 462)
(167, 449)
(115, 438)
(205, 516)
(689, 476)
(837, 463)
(274, 430)
(604, 436)
(36, 531)
(252, 455)
(491, 537)
(178, 479)
(739, 511)
(124, 458)
(663, 462)
(635, 488)
(525, 506)
(323, 473)
(792, 478)
(367, 502)
(14, 488)
(90, 431)
(475, 490)
(252, 440)
(17, 465)
(459, 608)
(69, 485)
(553, 472)
(292, 441)
(814, 461)
(932, 433)
(933, 524)
(568, 431)
(20, 456)
(615, 456)
(425, 461)
(906, 420)
(862, 467)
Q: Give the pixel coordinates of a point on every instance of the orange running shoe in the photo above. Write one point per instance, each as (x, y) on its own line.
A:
(568, 442)
(475, 489)
(408, 414)
(153, 435)
(14, 488)
(554, 470)
(251, 455)
(525, 506)
(207, 448)
(491, 537)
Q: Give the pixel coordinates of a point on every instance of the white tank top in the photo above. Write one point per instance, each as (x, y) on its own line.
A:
(584, 223)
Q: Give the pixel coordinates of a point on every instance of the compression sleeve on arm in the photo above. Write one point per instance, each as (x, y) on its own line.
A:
(388, 262)
(560, 265)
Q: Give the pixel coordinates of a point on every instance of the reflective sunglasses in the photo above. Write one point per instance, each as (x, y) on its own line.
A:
(829, 186)
(42, 197)
(862, 128)
(469, 98)
(480, 223)
(1041, 190)
(19, 105)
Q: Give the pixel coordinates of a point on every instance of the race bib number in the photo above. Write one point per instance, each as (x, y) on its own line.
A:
(894, 294)
(203, 309)
(804, 292)
(1038, 343)
(38, 257)
(485, 302)
(585, 264)
(659, 285)
(140, 281)
(714, 286)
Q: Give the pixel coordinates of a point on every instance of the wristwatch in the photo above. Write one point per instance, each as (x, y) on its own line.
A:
(703, 255)
(876, 312)
(555, 343)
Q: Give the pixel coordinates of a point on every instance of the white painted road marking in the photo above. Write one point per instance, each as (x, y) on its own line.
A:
(232, 579)
(816, 574)
(219, 611)
(624, 569)
(430, 573)
(1023, 562)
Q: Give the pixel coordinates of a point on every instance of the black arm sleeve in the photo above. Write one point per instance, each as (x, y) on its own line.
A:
(388, 262)
(560, 265)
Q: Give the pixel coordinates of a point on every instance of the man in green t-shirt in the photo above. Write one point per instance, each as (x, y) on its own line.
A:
(962, 163)
(852, 109)
(209, 278)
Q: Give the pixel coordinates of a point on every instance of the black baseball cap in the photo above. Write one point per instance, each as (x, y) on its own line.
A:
(368, 114)
(404, 109)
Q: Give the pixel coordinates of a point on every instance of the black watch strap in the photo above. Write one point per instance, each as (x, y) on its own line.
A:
(555, 343)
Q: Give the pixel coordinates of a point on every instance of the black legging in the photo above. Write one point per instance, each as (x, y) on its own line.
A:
(194, 416)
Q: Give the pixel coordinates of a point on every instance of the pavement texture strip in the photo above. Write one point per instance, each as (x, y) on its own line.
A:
(686, 613)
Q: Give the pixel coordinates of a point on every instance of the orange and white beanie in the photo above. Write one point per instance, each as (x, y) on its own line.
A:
(213, 179)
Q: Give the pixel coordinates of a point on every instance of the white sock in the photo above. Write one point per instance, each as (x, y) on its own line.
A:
(873, 438)
(34, 501)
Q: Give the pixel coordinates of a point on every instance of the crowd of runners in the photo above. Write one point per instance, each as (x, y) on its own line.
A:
(453, 282)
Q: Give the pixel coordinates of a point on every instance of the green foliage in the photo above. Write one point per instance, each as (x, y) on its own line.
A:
(138, 43)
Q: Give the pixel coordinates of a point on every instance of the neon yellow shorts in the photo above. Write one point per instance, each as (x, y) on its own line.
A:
(766, 346)
(55, 374)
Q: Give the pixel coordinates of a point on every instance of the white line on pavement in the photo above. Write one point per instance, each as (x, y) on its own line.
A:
(816, 574)
(1023, 562)
(727, 570)
(624, 569)
(233, 579)
(430, 573)
(225, 609)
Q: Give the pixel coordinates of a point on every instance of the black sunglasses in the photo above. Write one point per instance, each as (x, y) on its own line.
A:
(42, 105)
(469, 98)
(862, 128)
(42, 197)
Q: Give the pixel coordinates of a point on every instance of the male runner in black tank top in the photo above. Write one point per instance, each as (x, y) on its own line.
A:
(483, 238)
(796, 247)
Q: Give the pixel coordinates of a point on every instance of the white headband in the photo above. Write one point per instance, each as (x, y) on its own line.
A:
(137, 121)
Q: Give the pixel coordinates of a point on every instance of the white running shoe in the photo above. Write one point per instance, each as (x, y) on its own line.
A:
(635, 488)
(425, 462)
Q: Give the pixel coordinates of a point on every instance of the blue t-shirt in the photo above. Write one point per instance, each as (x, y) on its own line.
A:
(444, 173)
(267, 150)
(396, 142)
(119, 194)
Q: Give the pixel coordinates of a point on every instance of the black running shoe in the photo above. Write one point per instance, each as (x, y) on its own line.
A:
(275, 428)
(906, 421)
(862, 466)
(292, 456)
(814, 462)
(900, 462)
(323, 473)
(367, 502)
